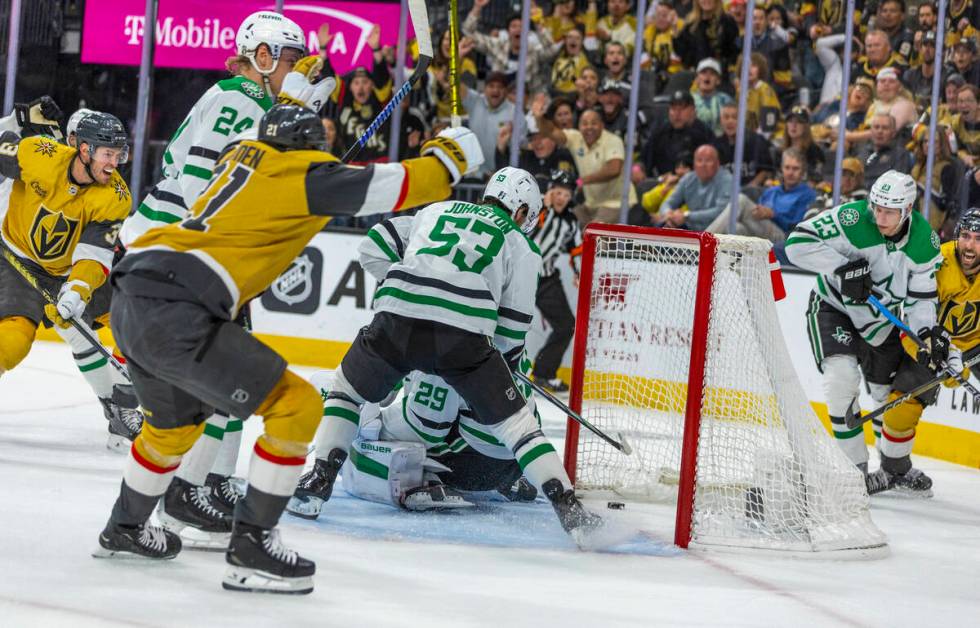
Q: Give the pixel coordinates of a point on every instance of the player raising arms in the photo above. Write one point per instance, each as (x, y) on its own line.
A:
(467, 275)
(179, 288)
(66, 206)
(271, 64)
(875, 244)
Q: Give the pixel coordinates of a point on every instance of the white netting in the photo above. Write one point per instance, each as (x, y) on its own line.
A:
(769, 475)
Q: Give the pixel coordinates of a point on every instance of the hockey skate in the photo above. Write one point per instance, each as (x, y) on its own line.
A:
(187, 510)
(258, 562)
(145, 541)
(578, 522)
(555, 386)
(913, 483)
(316, 485)
(520, 491)
(125, 419)
(433, 496)
(225, 493)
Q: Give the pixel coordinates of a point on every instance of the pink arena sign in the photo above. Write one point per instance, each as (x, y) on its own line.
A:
(201, 33)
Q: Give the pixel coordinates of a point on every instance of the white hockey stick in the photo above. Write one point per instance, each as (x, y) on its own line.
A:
(420, 22)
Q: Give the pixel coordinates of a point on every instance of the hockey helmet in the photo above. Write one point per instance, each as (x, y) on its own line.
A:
(272, 29)
(969, 221)
(291, 127)
(75, 118)
(102, 129)
(894, 190)
(561, 178)
(514, 188)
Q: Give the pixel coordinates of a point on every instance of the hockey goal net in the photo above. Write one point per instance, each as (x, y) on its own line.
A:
(678, 348)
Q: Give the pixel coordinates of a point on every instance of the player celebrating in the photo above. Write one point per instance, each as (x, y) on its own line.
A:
(270, 64)
(64, 211)
(881, 245)
(468, 274)
(179, 288)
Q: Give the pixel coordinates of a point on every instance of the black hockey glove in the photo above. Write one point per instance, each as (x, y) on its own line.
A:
(938, 342)
(855, 280)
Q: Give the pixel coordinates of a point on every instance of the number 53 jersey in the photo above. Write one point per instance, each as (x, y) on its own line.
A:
(464, 265)
(258, 212)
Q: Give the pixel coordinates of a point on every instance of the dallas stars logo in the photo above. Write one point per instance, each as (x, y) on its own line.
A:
(842, 336)
(122, 193)
(849, 216)
(45, 147)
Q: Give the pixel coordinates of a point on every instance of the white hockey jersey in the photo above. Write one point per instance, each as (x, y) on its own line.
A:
(903, 271)
(229, 108)
(468, 266)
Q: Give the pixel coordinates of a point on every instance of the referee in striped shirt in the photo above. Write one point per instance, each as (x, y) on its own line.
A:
(557, 232)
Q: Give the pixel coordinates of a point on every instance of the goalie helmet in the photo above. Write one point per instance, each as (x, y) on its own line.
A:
(272, 29)
(291, 127)
(102, 129)
(514, 188)
(969, 221)
(894, 190)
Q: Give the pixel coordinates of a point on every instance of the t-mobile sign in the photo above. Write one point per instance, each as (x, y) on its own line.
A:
(201, 33)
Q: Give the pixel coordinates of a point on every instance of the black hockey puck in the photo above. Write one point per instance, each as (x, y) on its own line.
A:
(615, 505)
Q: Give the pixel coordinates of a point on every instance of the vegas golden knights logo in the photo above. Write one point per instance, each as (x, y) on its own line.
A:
(51, 234)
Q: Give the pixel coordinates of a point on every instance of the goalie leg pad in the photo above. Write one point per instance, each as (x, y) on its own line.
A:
(383, 471)
(16, 337)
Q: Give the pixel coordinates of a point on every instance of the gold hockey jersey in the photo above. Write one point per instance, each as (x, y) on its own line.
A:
(261, 208)
(51, 220)
(959, 300)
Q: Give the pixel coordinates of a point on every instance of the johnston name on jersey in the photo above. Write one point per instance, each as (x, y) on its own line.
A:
(468, 266)
(53, 221)
(903, 269)
(259, 211)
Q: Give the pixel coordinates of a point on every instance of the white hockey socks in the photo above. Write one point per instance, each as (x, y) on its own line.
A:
(341, 417)
(841, 379)
(198, 462)
(92, 364)
(534, 453)
(231, 446)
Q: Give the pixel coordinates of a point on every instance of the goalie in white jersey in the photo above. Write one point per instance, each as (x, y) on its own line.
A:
(879, 245)
(462, 279)
(271, 65)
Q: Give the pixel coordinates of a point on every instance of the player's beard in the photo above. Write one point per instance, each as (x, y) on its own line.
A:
(969, 261)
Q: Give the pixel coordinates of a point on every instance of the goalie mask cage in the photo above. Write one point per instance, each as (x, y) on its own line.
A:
(678, 347)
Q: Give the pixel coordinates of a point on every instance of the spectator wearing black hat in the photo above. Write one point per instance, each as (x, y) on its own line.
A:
(681, 132)
(757, 163)
(708, 100)
(919, 78)
(542, 156)
(799, 136)
(965, 60)
(613, 104)
(557, 232)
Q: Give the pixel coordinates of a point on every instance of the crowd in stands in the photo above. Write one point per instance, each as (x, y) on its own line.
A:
(577, 70)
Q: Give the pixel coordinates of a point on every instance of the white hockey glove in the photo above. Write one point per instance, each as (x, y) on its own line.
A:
(72, 299)
(955, 362)
(459, 151)
(298, 87)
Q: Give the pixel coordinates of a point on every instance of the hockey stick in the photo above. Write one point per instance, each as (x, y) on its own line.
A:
(854, 420)
(78, 325)
(622, 445)
(873, 300)
(420, 22)
(456, 118)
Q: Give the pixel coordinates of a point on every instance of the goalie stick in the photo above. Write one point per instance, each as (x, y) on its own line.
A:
(420, 22)
(622, 445)
(78, 325)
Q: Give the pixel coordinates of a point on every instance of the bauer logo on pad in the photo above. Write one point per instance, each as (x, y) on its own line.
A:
(297, 289)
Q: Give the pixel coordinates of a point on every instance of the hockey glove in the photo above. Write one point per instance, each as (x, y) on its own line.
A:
(855, 280)
(459, 151)
(955, 362)
(39, 117)
(75, 293)
(938, 345)
(298, 87)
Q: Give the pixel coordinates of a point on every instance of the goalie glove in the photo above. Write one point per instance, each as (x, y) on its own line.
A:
(75, 293)
(298, 87)
(459, 151)
(40, 117)
(855, 280)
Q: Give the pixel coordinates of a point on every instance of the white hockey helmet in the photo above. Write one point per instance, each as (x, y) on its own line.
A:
(515, 188)
(894, 190)
(74, 119)
(272, 29)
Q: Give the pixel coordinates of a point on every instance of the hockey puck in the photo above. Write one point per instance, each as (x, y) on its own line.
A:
(615, 505)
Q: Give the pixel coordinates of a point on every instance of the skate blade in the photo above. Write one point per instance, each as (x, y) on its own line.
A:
(906, 493)
(118, 444)
(194, 538)
(308, 508)
(102, 552)
(255, 581)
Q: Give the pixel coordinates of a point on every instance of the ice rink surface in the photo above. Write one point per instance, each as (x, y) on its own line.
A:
(500, 564)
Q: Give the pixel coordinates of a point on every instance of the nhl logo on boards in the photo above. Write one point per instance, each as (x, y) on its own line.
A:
(297, 289)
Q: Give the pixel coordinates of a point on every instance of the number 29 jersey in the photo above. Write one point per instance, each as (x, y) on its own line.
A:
(261, 208)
